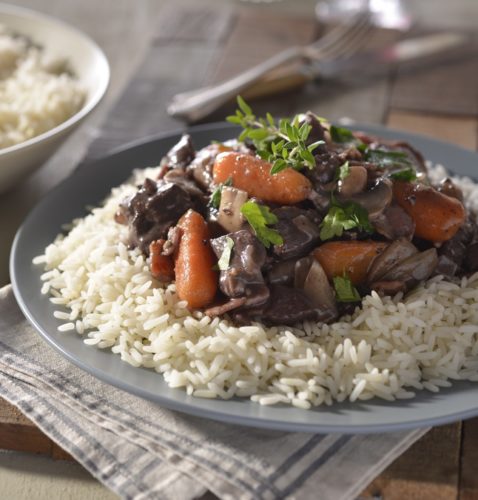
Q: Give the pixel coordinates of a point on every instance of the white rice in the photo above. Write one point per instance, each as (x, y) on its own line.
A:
(36, 92)
(389, 348)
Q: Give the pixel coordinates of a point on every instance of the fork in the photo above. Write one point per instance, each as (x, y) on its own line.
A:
(340, 42)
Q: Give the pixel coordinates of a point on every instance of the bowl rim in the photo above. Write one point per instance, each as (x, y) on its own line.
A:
(91, 101)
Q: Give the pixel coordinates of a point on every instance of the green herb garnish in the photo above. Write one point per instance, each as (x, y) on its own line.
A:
(386, 159)
(407, 175)
(223, 262)
(341, 218)
(344, 290)
(283, 144)
(259, 217)
(343, 135)
(215, 199)
(342, 172)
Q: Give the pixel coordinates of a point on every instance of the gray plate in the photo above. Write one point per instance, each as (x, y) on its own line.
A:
(90, 184)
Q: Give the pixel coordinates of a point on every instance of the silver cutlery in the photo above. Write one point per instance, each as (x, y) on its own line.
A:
(341, 42)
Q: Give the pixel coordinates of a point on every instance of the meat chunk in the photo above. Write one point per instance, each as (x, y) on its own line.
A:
(394, 223)
(388, 287)
(152, 210)
(471, 258)
(282, 273)
(286, 306)
(317, 131)
(201, 166)
(326, 165)
(243, 277)
(181, 178)
(448, 187)
(446, 266)
(456, 249)
(299, 230)
(180, 155)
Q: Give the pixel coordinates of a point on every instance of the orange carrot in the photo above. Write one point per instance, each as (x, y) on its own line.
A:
(352, 258)
(252, 174)
(437, 216)
(162, 266)
(196, 281)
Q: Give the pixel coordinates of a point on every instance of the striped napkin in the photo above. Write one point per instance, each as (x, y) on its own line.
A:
(142, 451)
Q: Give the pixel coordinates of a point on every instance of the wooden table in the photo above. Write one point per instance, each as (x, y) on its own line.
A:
(206, 44)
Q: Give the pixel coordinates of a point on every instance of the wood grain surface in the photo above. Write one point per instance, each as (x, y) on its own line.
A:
(190, 46)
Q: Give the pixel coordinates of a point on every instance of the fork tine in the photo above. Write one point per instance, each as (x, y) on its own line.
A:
(348, 43)
(337, 33)
(355, 43)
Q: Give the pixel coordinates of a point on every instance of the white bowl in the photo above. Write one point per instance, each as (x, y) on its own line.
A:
(90, 67)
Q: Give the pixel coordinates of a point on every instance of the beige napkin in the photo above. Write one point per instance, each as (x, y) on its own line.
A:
(143, 451)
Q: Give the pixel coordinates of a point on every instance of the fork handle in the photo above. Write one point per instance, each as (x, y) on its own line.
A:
(197, 104)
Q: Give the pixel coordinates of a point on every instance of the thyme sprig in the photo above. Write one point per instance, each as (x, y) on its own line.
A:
(281, 143)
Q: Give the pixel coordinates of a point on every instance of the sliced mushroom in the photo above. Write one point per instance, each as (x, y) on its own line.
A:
(317, 289)
(416, 268)
(230, 216)
(395, 253)
(375, 200)
(354, 183)
(301, 270)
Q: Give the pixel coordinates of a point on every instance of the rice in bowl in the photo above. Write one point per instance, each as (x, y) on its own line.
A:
(37, 93)
(388, 348)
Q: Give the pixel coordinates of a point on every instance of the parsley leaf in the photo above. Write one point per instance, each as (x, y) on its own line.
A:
(407, 174)
(341, 218)
(342, 172)
(343, 135)
(344, 290)
(384, 158)
(283, 144)
(215, 199)
(259, 217)
(223, 262)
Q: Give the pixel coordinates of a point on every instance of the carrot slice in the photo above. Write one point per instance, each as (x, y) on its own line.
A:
(252, 174)
(196, 281)
(437, 216)
(162, 266)
(352, 258)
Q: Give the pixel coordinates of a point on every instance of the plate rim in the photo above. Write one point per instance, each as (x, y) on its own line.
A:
(212, 413)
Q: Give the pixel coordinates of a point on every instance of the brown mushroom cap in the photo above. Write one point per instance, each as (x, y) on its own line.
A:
(375, 200)
(354, 183)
